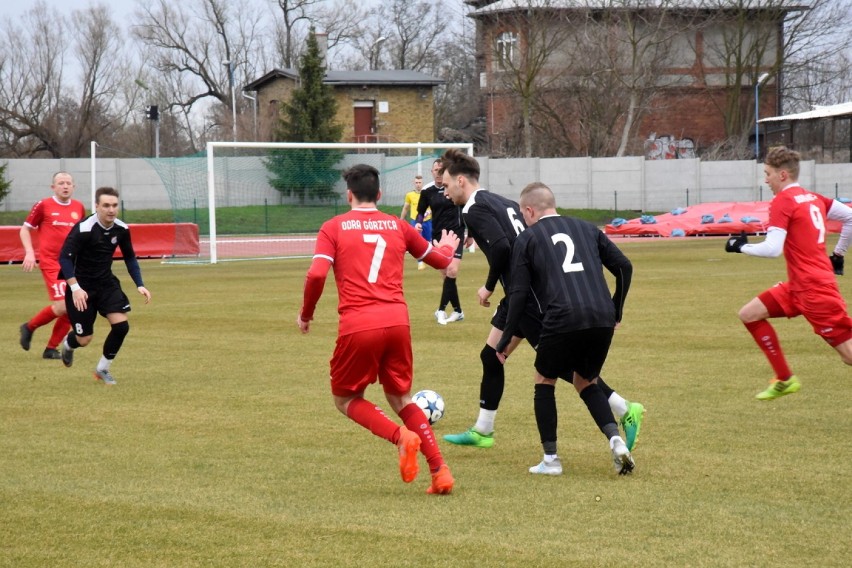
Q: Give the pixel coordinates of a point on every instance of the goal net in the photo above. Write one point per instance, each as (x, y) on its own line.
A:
(268, 200)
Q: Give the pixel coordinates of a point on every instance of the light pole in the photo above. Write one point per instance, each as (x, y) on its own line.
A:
(152, 112)
(757, 84)
(230, 65)
(253, 100)
(374, 52)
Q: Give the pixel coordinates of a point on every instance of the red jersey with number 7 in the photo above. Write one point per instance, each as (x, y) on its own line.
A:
(53, 220)
(367, 250)
(802, 214)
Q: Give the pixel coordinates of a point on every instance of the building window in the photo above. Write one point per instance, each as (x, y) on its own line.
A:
(507, 43)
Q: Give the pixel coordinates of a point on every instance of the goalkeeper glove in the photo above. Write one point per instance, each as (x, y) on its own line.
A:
(735, 244)
(837, 264)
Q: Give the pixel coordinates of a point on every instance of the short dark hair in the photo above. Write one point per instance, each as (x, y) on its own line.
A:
(457, 162)
(363, 181)
(105, 191)
(782, 158)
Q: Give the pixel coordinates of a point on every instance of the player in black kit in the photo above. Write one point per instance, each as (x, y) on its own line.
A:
(560, 260)
(86, 265)
(445, 216)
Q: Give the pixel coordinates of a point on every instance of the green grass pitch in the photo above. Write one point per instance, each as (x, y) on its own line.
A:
(220, 445)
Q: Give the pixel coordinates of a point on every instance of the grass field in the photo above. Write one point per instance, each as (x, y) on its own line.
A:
(220, 445)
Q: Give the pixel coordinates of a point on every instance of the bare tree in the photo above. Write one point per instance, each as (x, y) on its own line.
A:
(42, 111)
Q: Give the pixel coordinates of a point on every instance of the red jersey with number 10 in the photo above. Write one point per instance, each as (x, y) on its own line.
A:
(803, 215)
(53, 221)
(367, 249)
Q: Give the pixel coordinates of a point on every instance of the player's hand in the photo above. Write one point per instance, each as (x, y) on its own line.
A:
(837, 263)
(448, 238)
(735, 244)
(144, 291)
(80, 298)
(418, 227)
(29, 262)
(484, 295)
(501, 356)
(304, 326)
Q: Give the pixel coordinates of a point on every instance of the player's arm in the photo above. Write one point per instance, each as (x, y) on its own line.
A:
(771, 247)
(843, 213)
(620, 267)
(486, 229)
(29, 251)
(438, 256)
(132, 264)
(517, 299)
(314, 285)
(67, 267)
(405, 208)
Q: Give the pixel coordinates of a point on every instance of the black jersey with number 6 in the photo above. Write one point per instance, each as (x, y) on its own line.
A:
(495, 222)
(561, 260)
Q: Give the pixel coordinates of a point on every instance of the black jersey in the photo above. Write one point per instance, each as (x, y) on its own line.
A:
(561, 260)
(445, 213)
(88, 252)
(495, 222)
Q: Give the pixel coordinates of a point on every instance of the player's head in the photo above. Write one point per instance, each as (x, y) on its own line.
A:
(781, 167)
(362, 181)
(62, 186)
(418, 182)
(438, 172)
(461, 175)
(536, 200)
(106, 205)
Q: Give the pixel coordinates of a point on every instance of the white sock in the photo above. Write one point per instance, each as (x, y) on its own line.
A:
(618, 405)
(550, 457)
(485, 421)
(104, 363)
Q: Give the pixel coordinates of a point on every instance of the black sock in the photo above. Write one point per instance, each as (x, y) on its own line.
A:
(493, 379)
(544, 403)
(598, 407)
(71, 338)
(451, 293)
(605, 388)
(116, 336)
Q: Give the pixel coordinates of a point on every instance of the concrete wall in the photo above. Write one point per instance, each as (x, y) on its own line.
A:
(599, 183)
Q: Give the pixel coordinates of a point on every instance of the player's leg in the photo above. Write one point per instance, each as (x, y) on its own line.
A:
(82, 326)
(588, 351)
(114, 305)
(629, 414)
(354, 366)
(773, 303)
(825, 310)
(544, 405)
(60, 330)
(491, 387)
(56, 293)
(451, 290)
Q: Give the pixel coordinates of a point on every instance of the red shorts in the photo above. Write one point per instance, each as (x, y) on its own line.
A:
(824, 309)
(55, 286)
(363, 357)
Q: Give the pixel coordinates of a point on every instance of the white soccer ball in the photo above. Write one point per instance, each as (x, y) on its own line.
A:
(431, 403)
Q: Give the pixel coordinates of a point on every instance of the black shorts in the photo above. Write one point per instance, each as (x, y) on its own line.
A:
(108, 298)
(583, 352)
(529, 327)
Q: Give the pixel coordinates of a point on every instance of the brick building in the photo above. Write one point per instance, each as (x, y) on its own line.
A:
(372, 106)
(684, 86)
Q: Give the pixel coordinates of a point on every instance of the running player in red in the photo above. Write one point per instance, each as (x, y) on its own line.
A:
(53, 218)
(367, 250)
(797, 227)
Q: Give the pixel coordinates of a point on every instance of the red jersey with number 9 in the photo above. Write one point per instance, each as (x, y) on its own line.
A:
(367, 249)
(803, 215)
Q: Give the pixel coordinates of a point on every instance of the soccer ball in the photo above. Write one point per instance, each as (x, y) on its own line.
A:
(431, 403)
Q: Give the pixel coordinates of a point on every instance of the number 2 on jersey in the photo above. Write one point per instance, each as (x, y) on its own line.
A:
(567, 265)
(378, 254)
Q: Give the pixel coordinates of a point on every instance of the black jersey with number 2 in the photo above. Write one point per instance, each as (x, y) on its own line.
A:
(561, 260)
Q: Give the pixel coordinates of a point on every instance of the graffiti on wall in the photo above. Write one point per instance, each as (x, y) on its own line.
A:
(667, 147)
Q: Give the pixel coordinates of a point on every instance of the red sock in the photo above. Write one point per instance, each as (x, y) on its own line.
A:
(415, 421)
(60, 330)
(44, 317)
(373, 419)
(765, 337)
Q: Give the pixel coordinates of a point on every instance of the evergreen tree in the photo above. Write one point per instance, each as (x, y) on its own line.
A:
(309, 116)
(5, 186)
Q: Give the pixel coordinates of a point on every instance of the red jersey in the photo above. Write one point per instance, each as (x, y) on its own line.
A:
(53, 221)
(367, 249)
(802, 214)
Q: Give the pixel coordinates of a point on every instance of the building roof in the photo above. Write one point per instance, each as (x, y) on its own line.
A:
(842, 109)
(483, 7)
(400, 77)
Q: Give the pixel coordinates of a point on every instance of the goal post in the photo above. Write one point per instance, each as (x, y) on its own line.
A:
(267, 200)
